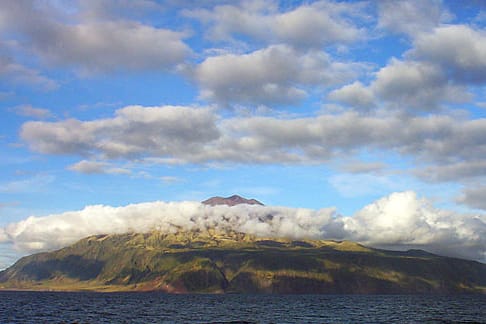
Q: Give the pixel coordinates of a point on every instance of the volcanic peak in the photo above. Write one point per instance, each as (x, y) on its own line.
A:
(230, 201)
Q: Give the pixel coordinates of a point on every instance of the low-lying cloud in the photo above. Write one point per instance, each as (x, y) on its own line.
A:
(401, 221)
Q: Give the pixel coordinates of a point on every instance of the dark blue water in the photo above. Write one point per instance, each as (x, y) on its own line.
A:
(47, 307)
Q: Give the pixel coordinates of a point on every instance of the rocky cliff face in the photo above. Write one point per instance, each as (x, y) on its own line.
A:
(195, 262)
(231, 201)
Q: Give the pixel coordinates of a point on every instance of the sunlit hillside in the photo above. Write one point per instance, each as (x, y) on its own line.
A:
(232, 262)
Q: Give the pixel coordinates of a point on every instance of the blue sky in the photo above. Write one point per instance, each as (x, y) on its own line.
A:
(304, 104)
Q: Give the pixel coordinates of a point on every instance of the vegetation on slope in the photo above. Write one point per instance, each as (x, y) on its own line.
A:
(195, 262)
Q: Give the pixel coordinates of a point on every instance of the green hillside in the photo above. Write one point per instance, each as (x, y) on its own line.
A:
(194, 262)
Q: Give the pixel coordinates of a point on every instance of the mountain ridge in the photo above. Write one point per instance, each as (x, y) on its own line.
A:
(233, 262)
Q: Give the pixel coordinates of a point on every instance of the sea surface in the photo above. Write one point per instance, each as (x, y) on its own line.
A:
(64, 307)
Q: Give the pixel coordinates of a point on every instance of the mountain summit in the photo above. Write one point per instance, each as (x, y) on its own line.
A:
(230, 201)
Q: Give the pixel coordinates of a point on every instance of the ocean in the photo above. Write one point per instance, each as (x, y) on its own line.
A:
(88, 307)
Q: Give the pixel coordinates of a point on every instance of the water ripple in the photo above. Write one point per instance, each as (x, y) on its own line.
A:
(48, 307)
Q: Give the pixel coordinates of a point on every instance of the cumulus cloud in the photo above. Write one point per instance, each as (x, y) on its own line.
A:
(93, 46)
(169, 135)
(410, 17)
(439, 139)
(443, 66)
(460, 50)
(412, 86)
(114, 9)
(134, 131)
(401, 220)
(355, 95)
(404, 85)
(415, 86)
(474, 197)
(454, 171)
(307, 26)
(112, 46)
(274, 75)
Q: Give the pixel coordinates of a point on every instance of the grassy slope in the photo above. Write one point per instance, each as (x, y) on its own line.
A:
(238, 263)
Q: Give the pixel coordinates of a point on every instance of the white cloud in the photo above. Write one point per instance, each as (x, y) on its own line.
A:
(53, 231)
(307, 26)
(454, 171)
(115, 46)
(29, 111)
(114, 9)
(474, 196)
(406, 86)
(97, 167)
(460, 51)
(93, 46)
(400, 220)
(438, 139)
(178, 135)
(403, 219)
(415, 86)
(316, 25)
(88, 167)
(274, 75)
(134, 131)
(441, 68)
(410, 17)
(355, 95)
(20, 74)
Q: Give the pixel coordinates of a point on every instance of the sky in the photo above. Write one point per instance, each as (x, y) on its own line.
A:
(360, 120)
